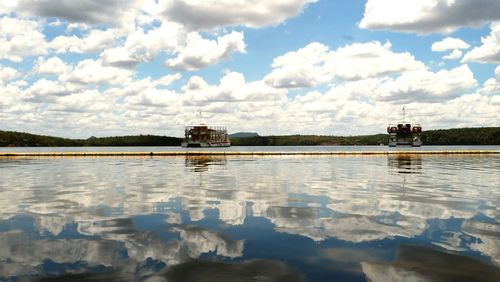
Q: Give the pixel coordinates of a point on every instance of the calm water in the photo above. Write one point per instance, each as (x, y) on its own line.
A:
(244, 148)
(334, 218)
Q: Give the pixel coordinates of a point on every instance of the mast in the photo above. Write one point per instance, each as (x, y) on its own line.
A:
(200, 118)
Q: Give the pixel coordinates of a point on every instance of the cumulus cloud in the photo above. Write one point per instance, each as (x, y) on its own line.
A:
(249, 105)
(87, 101)
(153, 97)
(7, 74)
(195, 83)
(20, 38)
(94, 72)
(143, 46)
(50, 66)
(489, 52)
(232, 88)
(194, 15)
(199, 52)
(492, 85)
(167, 79)
(93, 41)
(209, 14)
(427, 16)
(88, 72)
(46, 91)
(454, 55)
(316, 64)
(449, 43)
(83, 11)
(424, 85)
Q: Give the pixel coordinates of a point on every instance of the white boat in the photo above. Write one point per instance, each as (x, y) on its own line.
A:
(405, 134)
(203, 135)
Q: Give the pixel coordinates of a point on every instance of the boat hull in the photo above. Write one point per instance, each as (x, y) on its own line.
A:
(194, 144)
(405, 139)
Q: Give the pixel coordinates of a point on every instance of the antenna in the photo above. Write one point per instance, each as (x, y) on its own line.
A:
(404, 113)
(200, 119)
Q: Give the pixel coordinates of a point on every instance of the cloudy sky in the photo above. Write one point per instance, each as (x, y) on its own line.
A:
(115, 67)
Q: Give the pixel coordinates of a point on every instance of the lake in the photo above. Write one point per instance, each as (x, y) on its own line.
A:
(248, 218)
(244, 149)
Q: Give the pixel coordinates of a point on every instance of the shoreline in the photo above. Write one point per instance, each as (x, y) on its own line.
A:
(236, 153)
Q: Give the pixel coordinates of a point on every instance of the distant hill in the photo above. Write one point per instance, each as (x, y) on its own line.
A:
(243, 134)
(456, 136)
(462, 136)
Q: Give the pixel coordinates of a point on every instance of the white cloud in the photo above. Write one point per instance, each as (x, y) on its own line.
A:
(449, 43)
(368, 60)
(360, 83)
(195, 15)
(427, 16)
(95, 40)
(143, 46)
(454, 55)
(46, 91)
(209, 14)
(94, 72)
(167, 79)
(195, 83)
(199, 52)
(50, 66)
(489, 52)
(166, 99)
(250, 105)
(9, 90)
(87, 101)
(20, 38)
(301, 68)
(492, 85)
(232, 88)
(83, 11)
(423, 85)
(7, 74)
(315, 64)
(7, 5)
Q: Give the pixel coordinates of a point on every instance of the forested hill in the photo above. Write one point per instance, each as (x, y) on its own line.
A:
(309, 140)
(458, 136)
(462, 136)
(20, 139)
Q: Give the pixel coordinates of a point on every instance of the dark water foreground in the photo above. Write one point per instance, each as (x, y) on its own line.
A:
(248, 218)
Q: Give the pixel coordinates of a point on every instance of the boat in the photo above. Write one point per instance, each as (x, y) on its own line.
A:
(202, 135)
(404, 133)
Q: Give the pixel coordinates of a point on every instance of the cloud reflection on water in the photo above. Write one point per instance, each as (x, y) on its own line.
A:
(353, 199)
(414, 263)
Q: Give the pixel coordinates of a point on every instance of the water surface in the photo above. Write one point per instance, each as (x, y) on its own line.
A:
(293, 218)
(246, 148)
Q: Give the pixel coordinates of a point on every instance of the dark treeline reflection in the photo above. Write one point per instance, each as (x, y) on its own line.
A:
(414, 263)
(216, 218)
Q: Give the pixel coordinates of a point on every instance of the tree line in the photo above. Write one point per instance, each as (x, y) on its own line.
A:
(21, 139)
(457, 136)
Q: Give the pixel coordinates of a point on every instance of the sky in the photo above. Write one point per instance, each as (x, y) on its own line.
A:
(332, 67)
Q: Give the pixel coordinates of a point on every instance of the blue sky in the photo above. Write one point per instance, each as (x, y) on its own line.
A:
(95, 68)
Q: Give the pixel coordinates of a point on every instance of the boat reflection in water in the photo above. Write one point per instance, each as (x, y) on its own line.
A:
(335, 218)
(405, 163)
(204, 163)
